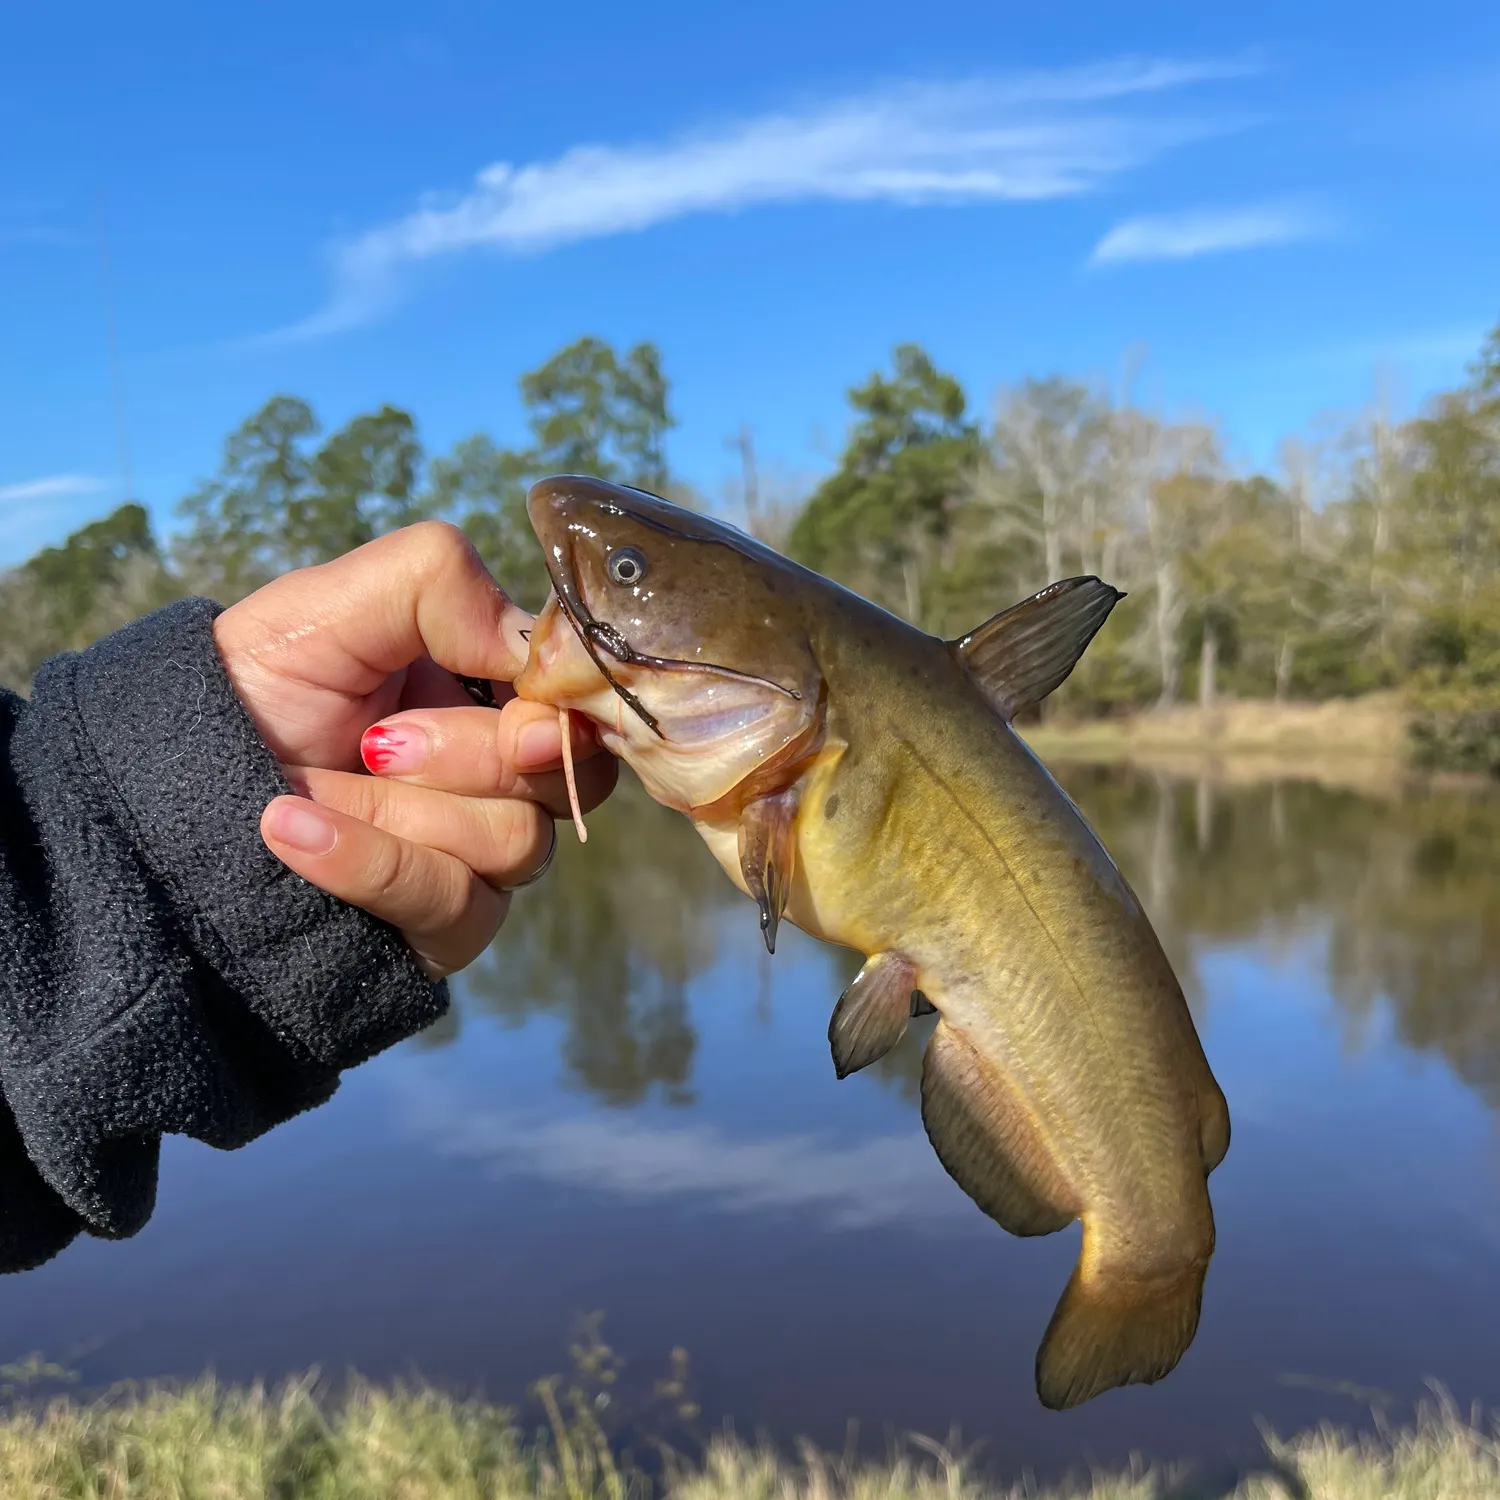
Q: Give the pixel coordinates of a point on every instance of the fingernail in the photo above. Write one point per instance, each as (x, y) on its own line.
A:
(304, 827)
(394, 749)
(515, 631)
(539, 744)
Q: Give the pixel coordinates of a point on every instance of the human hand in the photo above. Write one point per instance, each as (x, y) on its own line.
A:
(461, 806)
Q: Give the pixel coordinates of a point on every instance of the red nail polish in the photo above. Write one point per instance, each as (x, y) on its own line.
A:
(381, 747)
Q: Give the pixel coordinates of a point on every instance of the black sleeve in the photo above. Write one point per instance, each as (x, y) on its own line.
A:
(160, 970)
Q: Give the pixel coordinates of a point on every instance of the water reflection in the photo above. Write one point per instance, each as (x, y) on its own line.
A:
(610, 942)
(878, 1180)
(465, 1199)
(1403, 886)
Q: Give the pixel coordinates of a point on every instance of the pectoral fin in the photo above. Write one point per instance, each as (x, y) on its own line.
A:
(768, 856)
(986, 1141)
(1019, 656)
(872, 1013)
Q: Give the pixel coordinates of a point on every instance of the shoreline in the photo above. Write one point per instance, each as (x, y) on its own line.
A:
(1354, 744)
(204, 1439)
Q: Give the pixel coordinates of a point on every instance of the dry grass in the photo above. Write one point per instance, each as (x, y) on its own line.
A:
(1373, 726)
(1359, 743)
(206, 1442)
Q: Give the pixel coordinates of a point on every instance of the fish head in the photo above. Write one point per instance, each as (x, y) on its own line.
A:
(680, 637)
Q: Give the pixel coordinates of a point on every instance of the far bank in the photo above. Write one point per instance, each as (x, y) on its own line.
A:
(1365, 743)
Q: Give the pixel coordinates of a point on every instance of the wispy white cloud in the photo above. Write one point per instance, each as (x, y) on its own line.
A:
(53, 487)
(1187, 235)
(881, 1180)
(1019, 138)
(31, 510)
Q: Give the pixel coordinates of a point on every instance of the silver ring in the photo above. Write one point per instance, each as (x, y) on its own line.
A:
(545, 865)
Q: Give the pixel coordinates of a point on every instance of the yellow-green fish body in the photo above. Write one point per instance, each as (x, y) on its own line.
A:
(862, 779)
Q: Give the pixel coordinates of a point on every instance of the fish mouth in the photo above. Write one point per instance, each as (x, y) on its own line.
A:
(595, 634)
(598, 637)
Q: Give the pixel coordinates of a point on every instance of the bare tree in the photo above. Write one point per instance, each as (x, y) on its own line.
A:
(770, 502)
(1145, 453)
(1380, 455)
(1044, 478)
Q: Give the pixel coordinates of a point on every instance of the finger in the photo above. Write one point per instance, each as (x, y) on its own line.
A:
(446, 913)
(481, 753)
(352, 622)
(505, 841)
(532, 734)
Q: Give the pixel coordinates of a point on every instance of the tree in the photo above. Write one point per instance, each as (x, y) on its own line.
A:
(592, 412)
(26, 638)
(237, 538)
(94, 558)
(885, 522)
(1452, 537)
(364, 483)
(1240, 574)
(483, 489)
(102, 576)
(1484, 374)
(274, 506)
(589, 411)
(1045, 471)
(1145, 457)
(1454, 499)
(1374, 597)
(1288, 594)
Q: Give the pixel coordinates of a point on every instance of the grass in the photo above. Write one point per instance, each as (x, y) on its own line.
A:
(205, 1441)
(1374, 726)
(1363, 744)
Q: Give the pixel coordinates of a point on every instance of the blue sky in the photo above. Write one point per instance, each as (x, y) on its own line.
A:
(376, 203)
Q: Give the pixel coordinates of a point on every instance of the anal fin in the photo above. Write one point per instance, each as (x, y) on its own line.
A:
(986, 1142)
(768, 856)
(872, 1013)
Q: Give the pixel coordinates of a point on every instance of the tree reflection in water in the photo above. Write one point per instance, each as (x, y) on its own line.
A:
(609, 940)
(1403, 889)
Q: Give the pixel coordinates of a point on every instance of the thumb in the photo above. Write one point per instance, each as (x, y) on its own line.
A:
(348, 624)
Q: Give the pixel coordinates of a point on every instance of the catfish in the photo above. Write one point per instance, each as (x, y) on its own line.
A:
(862, 780)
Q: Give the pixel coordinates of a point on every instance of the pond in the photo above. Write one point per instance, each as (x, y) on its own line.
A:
(632, 1110)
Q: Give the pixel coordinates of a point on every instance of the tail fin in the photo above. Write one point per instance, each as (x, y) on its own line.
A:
(1108, 1333)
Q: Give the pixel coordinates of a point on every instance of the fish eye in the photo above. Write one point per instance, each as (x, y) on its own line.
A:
(627, 566)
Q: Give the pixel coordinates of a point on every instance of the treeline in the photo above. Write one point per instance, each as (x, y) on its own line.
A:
(287, 495)
(1370, 559)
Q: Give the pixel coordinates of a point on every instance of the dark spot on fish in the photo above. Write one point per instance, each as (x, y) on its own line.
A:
(831, 806)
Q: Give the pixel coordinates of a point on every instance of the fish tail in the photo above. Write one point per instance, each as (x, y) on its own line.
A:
(1111, 1331)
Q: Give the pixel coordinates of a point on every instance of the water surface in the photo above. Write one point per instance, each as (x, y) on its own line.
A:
(633, 1110)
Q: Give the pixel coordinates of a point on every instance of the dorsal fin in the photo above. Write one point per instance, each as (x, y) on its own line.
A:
(1020, 655)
